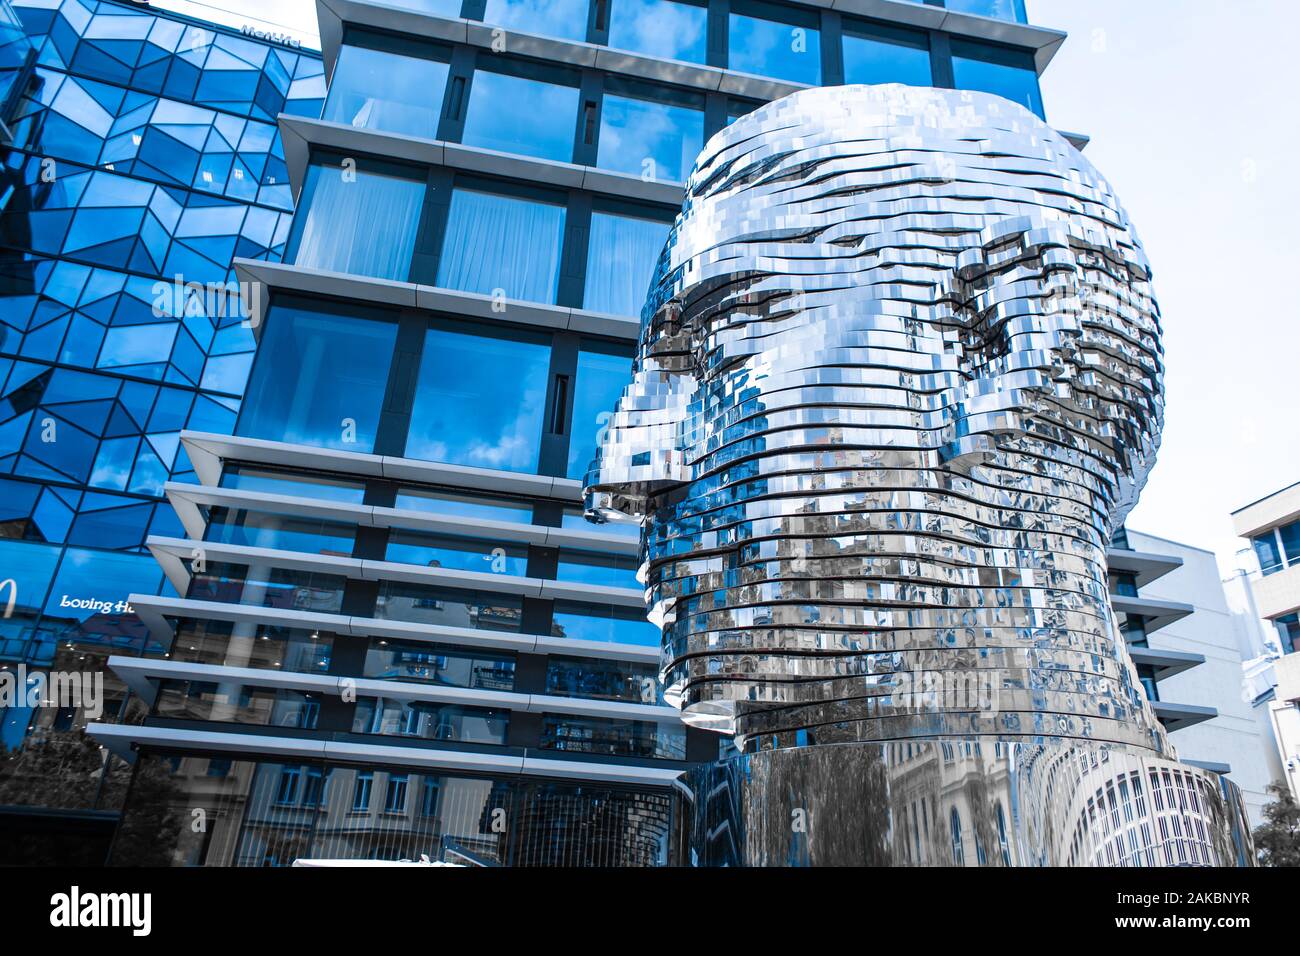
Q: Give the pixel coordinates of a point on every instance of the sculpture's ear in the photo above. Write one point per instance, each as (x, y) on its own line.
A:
(1059, 336)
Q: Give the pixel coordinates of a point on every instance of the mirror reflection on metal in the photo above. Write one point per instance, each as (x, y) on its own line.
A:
(899, 379)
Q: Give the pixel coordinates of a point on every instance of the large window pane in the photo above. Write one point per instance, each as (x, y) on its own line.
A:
(990, 69)
(664, 28)
(592, 622)
(319, 379)
(513, 114)
(884, 55)
(1266, 551)
(483, 555)
(386, 91)
(359, 222)
(479, 399)
(602, 376)
(445, 607)
(502, 245)
(464, 506)
(769, 47)
(654, 140)
(1290, 535)
(566, 19)
(1013, 10)
(440, 8)
(621, 258)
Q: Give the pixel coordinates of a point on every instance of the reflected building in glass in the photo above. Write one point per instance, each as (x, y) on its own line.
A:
(371, 621)
(138, 148)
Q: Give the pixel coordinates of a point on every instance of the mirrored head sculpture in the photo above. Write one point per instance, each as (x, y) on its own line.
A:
(899, 380)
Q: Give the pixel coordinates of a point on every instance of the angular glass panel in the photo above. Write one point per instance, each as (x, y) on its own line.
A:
(621, 257)
(664, 28)
(359, 222)
(602, 375)
(885, 55)
(502, 245)
(319, 379)
(990, 69)
(515, 114)
(389, 91)
(479, 400)
(770, 47)
(652, 139)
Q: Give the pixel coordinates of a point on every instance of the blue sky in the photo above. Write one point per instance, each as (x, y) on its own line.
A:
(1190, 106)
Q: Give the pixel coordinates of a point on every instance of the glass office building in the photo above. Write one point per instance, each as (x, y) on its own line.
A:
(366, 616)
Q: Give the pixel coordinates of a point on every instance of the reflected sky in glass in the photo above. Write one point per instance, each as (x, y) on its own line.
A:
(664, 28)
(566, 19)
(641, 136)
(515, 115)
(868, 60)
(773, 49)
(479, 400)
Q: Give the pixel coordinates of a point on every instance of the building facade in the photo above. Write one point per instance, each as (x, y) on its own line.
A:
(141, 155)
(1196, 662)
(1269, 590)
(372, 621)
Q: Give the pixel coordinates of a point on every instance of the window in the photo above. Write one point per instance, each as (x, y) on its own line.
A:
(881, 54)
(1290, 537)
(602, 679)
(621, 257)
(602, 376)
(387, 89)
(319, 378)
(519, 114)
(446, 607)
(566, 19)
(653, 135)
(663, 28)
(286, 791)
(437, 664)
(293, 484)
(1267, 551)
(1013, 10)
(482, 555)
(357, 221)
(395, 798)
(436, 501)
(479, 399)
(594, 622)
(1288, 632)
(361, 788)
(284, 532)
(314, 787)
(991, 69)
(606, 570)
(958, 851)
(626, 738)
(770, 40)
(502, 245)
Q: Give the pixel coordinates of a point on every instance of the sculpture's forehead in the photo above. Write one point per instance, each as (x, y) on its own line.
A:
(832, 183)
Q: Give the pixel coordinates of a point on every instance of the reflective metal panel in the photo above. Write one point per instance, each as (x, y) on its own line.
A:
(899, 379)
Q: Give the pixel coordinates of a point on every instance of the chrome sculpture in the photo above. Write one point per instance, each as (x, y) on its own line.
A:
(899, 379)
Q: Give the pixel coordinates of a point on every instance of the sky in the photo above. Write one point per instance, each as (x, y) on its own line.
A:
(1190, 105)
(1191, 108)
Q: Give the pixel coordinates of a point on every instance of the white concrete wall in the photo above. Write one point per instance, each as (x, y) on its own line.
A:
(1234, 737)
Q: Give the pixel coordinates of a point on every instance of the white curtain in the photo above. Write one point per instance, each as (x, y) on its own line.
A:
(621, 263)
(499, 242)
(364, 226)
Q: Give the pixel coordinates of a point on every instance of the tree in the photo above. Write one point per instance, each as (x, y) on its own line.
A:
(1277, 840)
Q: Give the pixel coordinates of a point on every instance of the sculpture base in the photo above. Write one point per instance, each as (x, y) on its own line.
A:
(959, 803)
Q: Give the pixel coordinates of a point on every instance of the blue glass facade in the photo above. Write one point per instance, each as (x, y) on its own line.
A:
(143, 157)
